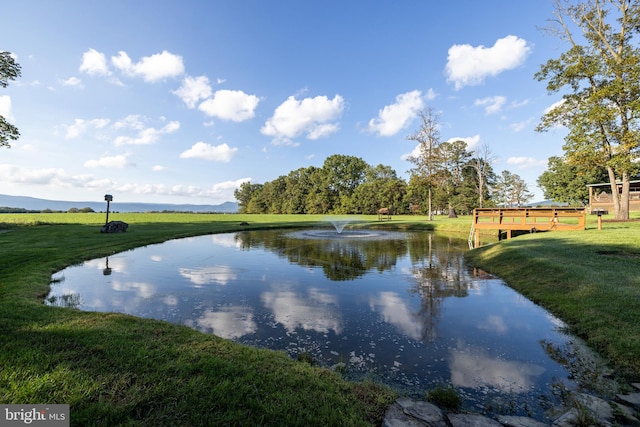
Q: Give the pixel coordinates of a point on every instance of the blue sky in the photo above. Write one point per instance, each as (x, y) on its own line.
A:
(182, 101)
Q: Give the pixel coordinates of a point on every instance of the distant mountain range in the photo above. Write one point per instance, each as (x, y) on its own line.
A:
(33, 204)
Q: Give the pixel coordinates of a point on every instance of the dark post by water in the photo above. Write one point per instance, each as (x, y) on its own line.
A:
(108, 198)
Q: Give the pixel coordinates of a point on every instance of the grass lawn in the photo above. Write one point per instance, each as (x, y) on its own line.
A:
(115, 369)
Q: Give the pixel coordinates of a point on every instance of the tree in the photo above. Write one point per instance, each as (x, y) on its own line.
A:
(453, 157)
(344, 173)
(466, 198)
(381, 189)
(566, 182)
(298, 187)
(244, 194)
(428, 138)
(481, 164)
(511, 190)
(9, 70)
(602, 73)
(502, 189)
(380, 172)
(520, 193)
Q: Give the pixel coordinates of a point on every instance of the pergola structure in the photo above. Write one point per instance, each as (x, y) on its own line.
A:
(600, 200)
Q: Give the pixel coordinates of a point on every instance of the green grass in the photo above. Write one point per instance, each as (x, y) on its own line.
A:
(115, 369)
(589, 279)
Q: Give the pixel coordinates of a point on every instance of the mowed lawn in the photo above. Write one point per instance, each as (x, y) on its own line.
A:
(120, 370)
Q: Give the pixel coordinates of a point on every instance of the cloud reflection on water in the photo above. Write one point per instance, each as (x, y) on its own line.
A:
(495, 324)
(219, 275)
(393, 309)
(318, 311)
(229, 322)
(474, 367)
(139, 289)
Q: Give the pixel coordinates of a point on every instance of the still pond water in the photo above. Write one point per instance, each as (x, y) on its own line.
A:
(402, 308)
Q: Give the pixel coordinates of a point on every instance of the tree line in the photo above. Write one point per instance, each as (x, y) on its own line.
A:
(349, 185)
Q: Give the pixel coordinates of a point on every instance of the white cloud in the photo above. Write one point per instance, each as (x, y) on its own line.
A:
(119, 161)
(171, 127)
(314, 117)
(469, 66)
(194, 89)
(554, 105)
(80, 126)
(322, 130)
(395, 117)
(430, 95)
(154, 68)
(58, 178)
(523, 162)
(94, 63)
(472, 141)
(491, 104)
(234, 105)
(43, 176)
(158, 168)
(72, 81)
(145, 136)
(218, 193)
(518, 104)
(519, 126)
(201, 150)
(5, 108)
(132, 121)
(228, 186)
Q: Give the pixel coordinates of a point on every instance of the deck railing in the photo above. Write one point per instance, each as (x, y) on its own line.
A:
(527, 219)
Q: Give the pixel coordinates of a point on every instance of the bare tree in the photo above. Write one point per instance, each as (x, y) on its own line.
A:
(428, 138)
(481, 164)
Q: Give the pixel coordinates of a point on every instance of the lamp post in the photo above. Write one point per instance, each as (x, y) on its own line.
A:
(108, 198)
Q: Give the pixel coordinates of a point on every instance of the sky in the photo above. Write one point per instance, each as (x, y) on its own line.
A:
(163, 101)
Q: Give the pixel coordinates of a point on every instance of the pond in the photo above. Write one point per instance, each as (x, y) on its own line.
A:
(400, 308)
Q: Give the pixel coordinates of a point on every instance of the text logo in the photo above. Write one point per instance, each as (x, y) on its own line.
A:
(34, 415)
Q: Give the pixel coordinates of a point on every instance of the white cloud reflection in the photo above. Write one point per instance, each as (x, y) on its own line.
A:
(395, 311)
(230, 322)
(116, 264)
(219, 275)
(140, 289)
(494, 324)
(474, 367)
(226, 240)
(314, 312)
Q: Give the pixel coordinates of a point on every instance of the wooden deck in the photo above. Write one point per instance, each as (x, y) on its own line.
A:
(527, 219)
